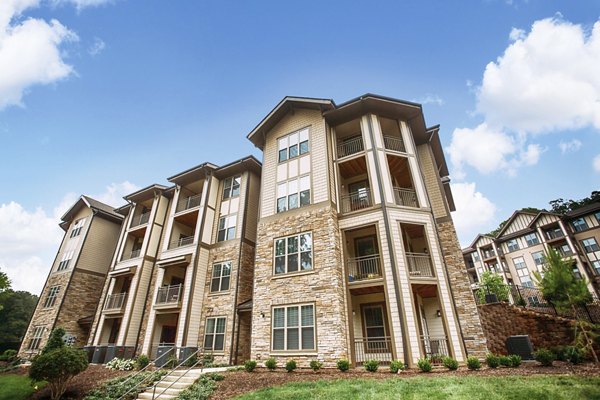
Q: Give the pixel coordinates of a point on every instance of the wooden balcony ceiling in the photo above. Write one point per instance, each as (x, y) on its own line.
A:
(425, 291)
(399, 170)
(353, 167)
(188, 219)
(366, 290)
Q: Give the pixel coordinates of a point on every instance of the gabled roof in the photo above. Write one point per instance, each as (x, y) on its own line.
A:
(144, 193)
(584, 210)
(243, 164)
(533, 221)
(98, 207)
(479, 236)
(194, 173)
(512, 219)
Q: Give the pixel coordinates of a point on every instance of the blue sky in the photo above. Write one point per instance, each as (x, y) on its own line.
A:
(102, 97)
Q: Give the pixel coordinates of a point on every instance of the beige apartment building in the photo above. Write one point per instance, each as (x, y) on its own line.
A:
(340, 245)
(518, 250)
(74, 284)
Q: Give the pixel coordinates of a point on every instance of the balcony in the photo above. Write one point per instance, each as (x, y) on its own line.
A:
(188, 203)
(140, 219)
(168, 295)
(419, 265)
(405, 197)
(349, 147)
(183, 241)
(554, 234)
(436, 348)
(115, 302)
(373, 348)
(487, 254)
(364, 268)
(357, 200)
(394, 144)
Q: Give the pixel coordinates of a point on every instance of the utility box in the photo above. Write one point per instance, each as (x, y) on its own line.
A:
(128, 352)
(111, 352)
(89, 352)
(163, 354)
(520, 345)
(99, 354)
(186, 352)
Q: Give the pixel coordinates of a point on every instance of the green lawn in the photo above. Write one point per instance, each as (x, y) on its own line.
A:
(15, 387)
(488, 388)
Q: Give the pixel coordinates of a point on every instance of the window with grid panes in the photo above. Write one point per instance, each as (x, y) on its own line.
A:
(519, 263)
(214, 334)
(52, 295)
(596, 267)
(36, 338)
(512, 245)
(221, 274)
(231, 187)
(66, 259)
(226, 229)
(294, 328)
(293, 193)
(77, 228)
(579, 224)
(590, 245)
(532, 239)
(293, 253)
(538, 257)
(597, 215)
(293, 145)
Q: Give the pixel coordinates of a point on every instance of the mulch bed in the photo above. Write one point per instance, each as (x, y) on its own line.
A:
(240, 382)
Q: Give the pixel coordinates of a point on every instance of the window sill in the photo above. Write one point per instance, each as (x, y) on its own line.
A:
(294, 353)
(220, 293)
(293, 274)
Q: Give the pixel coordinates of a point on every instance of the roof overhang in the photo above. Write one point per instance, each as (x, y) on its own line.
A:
(146, 193)
(193, 174)
(249, 163)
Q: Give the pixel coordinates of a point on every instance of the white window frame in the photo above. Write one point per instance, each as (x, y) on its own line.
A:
(36, 337)
(227, 226)
(52, 295)
(214, 334)
(526, 281)
(76, 231)
(299, 188)
(231, 187)
(219, 279)
(299, 253)
(541, 259)
(596, 266)
(299, 141)
(530, 242)
(512, 245)
(300, 327)
(65, 261)
(519, 263)
(589, 246)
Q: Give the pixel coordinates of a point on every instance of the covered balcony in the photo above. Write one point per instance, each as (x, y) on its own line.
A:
(404, 190)
(190, 195)
(116, 300)
(418, 259)
(348, 139)
(392, 138)
(141, 214)
(133, 245)
(170, 292)
(433, 339)
(355, 188)
(184, 229)
(363, 264)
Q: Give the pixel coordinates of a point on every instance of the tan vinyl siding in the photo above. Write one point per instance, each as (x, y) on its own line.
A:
(432, 181)
(99, 246)
(521, 222)
(252, 208)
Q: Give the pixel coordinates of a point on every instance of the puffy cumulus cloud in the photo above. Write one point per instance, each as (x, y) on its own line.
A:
(474, 212)
(596, 163)
(569, 147)
(29, 239)
(81, 4)
(546, 80)
(29, 51)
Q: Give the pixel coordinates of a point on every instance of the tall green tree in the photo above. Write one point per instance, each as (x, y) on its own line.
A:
(16, 309)
(492, 283)
(4, 284)
(560, 286)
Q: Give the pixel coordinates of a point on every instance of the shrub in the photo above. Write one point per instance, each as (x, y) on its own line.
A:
(424, 365)
(271, 364)
(142, 361)
(396, 366)
(574, 355)
(171, 362)
(290, 365)
(119, 364)
(58, 367)
(116, 388)
(473, 363)
(55, 341)
(515, 360)
(200, 390)
(215, 376)
(504, 361)
(316, 365)
(544, 357)
(9, 355)
(343, 365)
(492, 360)
(372, 365)
(560, 353)
(250, 365)
(191, 361)
(208, 360)
(450, 363)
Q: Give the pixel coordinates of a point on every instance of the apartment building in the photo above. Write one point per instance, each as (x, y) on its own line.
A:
(518, 249)
(183, 263)
(74, 284)
(356, 252)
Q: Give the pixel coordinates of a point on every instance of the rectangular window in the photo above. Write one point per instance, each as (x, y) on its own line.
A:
(214, 335)
(532, 239)
(579, 225)
(52, 295)
(293, 145)
(475, 256)
(576, 272)
(596, 266)
(538, 258)
(77, 227)
(36, 338)
(231, 187)
(519, 263)
(220, 277)
(293, 254)
(64, 262)
(226, 228)
(564, 250)
(526, 281)
(512, 245)
(293, 193)
(590, 245)
(597, 215)
(294, 328)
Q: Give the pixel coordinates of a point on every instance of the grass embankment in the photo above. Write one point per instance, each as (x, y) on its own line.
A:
(15, 387)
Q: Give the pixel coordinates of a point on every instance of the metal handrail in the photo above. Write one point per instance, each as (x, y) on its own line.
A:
(405, 197)
(115, 301)
(184, 241)
(189, 202)
(394, 144)
(169, 294)
(419, 264)
(349, 147)
(140, 219)
(365, 267)
(140, 371)
(194, 354)
(356, 200)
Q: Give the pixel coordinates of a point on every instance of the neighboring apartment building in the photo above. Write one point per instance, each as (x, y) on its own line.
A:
(356, 252)
(183, 264)
(518, 250)
(74, 284)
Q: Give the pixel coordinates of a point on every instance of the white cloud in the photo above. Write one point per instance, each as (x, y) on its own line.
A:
(29, 239)
(97, 47)
(569, 147)
(596, 163)
(81, 4)
(474, 212)
(431, 99)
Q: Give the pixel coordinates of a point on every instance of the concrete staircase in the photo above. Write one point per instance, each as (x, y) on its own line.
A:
(176, 382)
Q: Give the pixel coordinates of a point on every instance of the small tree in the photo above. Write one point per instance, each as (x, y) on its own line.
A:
(55, 341)
(492, 283)
(58, 367)
(560, 286)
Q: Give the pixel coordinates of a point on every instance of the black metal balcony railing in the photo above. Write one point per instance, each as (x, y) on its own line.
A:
(419, 264)
(349, 147)
(362, 268)
(140, 219)
(405, 197)
(394, 144)
(132, 254)
(436, 348)
(489, 254)
(184, 241)
(554, 234)
(115, 301)
(357, 200)
(373, 348)
(188, 203)
(169, 294)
